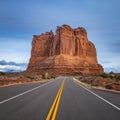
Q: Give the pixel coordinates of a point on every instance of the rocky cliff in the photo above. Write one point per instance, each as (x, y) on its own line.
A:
(67, 52)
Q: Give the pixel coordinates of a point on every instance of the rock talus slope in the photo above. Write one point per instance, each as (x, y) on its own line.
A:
(67, 52)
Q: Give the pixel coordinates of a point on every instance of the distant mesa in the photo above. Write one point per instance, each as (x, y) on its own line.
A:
(67, 52)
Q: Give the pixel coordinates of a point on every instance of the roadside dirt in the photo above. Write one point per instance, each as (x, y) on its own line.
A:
(99, 82)
(18, 78)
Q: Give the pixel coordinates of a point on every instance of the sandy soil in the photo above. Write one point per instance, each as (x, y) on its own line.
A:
(99, 82)
(19, 78)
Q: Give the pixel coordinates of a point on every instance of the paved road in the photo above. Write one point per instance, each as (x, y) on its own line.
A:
(61, 99)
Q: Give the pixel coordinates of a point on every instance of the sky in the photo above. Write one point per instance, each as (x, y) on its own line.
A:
(20, 20)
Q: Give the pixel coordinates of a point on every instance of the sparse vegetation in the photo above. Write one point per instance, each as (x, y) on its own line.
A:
(108, 86)
(104, 75)
(53, 76)
(114, 77)
(14, 78)
(43, 76)
(117, 77)
(2, 73)
(95, 84)
(108, 81)
(30, 77)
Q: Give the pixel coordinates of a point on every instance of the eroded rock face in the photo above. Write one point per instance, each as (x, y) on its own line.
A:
(67, 52)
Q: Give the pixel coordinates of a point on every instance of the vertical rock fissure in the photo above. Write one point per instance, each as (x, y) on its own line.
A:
(68, 51)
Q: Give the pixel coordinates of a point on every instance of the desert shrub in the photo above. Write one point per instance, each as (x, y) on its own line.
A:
(104, 75)
(95, 84)
(80, 78)
(30, 77)
(43, 76)
(108, 86)
(117, 77)
(53, 76)
(111, 77)
(2, 73)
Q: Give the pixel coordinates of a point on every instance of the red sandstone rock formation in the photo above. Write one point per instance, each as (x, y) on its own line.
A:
(68, 51)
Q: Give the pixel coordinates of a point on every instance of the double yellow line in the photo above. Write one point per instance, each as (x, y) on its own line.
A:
(53, 110)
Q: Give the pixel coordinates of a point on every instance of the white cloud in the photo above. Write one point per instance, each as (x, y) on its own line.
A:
(12, 68)
(114, 69)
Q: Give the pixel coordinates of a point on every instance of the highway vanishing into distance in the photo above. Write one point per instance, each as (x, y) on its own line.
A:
(61, 99)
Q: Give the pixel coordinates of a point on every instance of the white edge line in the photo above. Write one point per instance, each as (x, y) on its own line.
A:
(4, 101)
(97, 95)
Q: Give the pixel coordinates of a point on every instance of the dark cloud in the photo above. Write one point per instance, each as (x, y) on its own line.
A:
(3, 62)
(12, 66)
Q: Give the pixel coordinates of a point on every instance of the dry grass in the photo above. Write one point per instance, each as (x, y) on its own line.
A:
(18, 78)
(104, 81)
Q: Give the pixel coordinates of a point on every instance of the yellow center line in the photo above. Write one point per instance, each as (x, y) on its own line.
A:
(53, 110)
(57, 104)
(53, 105)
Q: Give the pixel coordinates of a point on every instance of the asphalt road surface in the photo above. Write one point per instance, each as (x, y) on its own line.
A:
(59, 99)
